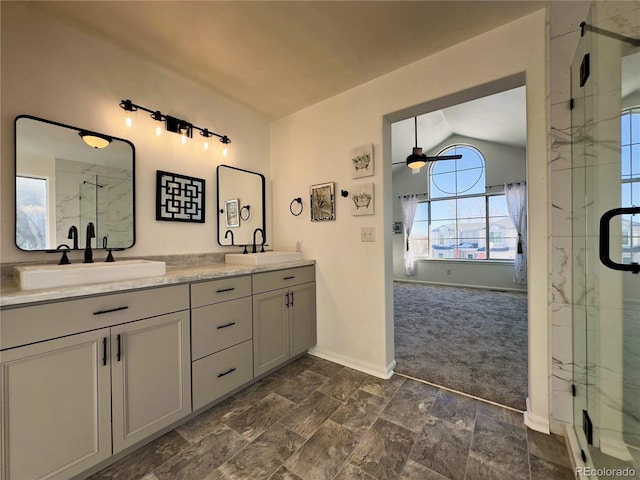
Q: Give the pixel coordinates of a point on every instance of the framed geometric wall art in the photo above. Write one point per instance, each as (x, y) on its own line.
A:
(362, 164)
(322, 202)
(179, 198)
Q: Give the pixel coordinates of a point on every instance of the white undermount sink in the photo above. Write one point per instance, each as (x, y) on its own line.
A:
(264, 258)
(32, 277)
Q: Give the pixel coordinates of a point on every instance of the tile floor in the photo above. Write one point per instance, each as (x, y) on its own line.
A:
(316, 420)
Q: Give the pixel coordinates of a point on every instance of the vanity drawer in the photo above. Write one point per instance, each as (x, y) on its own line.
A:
(24, 325)
(219, 326)
(215, 291)
(263, 282)
(220, 373)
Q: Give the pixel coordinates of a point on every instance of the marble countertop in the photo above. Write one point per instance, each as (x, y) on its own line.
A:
(11, 295)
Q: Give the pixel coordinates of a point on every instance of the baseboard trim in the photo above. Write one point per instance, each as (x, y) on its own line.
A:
(464, 285)
(535, 422)
(615, 447)
(385, 373)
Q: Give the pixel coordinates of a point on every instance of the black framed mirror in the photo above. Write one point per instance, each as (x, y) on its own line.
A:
(66, 177)
(240, 206)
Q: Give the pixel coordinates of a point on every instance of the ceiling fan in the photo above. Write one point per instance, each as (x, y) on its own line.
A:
(417, 159)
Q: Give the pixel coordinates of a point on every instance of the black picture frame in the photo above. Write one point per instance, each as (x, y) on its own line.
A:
(179, 198)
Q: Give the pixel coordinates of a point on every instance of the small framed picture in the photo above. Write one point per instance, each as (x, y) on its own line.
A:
(397, 228)
(232, 214)
(362, 200)
(322, 202)
(362, 164)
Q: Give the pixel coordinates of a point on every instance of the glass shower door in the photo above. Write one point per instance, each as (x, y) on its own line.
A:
(606, 238)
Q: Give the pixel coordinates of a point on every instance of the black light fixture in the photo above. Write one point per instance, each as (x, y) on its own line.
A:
(417, 159)
(172, 124)
(94, 140)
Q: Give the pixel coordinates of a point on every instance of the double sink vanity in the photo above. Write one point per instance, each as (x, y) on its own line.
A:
(89, 372)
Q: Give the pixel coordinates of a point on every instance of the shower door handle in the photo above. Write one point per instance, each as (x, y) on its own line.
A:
(605, 221)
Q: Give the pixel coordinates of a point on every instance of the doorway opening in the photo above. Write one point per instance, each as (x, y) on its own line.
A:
(460, 307)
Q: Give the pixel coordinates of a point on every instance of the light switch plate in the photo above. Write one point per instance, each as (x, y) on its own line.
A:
(368, 234)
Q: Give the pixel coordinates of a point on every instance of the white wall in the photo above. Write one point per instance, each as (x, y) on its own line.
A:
(56, 72)
(355, 311)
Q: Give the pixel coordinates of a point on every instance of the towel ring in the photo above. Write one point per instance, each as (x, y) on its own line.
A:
(297, 200)
(248, 215)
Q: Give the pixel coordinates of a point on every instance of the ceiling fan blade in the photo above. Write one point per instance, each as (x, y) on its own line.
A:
(444, 157)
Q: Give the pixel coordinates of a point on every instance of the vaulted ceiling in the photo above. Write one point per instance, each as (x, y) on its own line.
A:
(281, 56)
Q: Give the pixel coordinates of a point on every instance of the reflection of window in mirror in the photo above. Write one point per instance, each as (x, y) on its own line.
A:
(31, 211)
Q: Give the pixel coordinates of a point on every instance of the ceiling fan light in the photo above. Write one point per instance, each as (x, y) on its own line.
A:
(94, 140)
(417, 159)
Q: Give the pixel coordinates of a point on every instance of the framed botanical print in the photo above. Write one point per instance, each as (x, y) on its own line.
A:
(362, 199)
(362, 164)
(322, 202)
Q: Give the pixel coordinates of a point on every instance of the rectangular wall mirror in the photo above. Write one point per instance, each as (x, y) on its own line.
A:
(241, 206)
(63, 182)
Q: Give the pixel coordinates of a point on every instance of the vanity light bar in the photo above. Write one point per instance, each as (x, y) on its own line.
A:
(173, 124)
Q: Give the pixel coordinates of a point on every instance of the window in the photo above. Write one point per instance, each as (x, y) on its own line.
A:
(459, 220)
(31, 212)
(630, 176)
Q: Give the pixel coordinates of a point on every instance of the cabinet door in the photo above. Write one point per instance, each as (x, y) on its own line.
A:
(150, 365)
(302, 318)
(56, 402)
(270, 330)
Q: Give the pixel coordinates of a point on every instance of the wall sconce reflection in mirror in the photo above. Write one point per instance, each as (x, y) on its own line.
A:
(296, 210)
(172, 124)
(94, 140)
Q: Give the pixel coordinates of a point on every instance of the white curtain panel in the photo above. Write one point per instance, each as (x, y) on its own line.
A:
(409, 204)
(516, 194)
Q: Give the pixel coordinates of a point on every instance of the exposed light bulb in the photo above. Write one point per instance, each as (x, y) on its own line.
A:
(158, 130)
(225, 151)
(184, 138)
(206, 145)
(128, 121)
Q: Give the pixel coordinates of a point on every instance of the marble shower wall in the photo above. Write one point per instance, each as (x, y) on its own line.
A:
(589, 304)
(564, 31)
(111, 203)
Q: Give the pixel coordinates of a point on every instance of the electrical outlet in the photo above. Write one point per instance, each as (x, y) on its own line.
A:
(368, 234)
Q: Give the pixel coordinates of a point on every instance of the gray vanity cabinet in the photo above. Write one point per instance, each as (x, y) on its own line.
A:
(74, 373)
(221, 348)
(56, 407)
(284, 316)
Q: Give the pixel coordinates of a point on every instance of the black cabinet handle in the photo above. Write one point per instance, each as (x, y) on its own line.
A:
(102, 312)
(287, 304)
(292, 299)
(226, 325)
(231, 370)
(605, 258)
(119, 349)
(289, 278)
(104, 351)
(222, 290)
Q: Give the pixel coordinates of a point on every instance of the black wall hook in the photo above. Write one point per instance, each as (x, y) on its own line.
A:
(344, 193)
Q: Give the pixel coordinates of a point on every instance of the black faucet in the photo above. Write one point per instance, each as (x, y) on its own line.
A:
(91, 233)
(253, 249)
(73, 235)
(227, 233)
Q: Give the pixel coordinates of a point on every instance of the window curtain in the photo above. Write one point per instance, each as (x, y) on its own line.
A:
(516, 194)
(409, 204)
